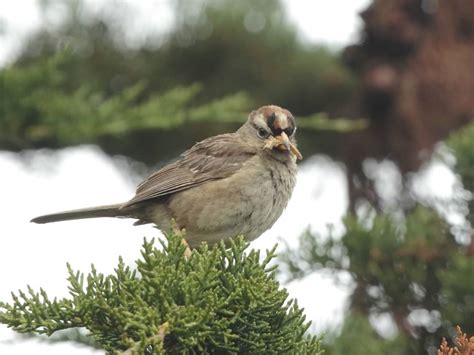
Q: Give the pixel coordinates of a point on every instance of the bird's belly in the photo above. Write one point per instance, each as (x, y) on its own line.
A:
(240, 205)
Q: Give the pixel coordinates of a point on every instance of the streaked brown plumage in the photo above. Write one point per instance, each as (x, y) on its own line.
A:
(228, 185)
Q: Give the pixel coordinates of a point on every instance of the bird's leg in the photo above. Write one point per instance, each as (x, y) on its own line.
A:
(188, 252)
(181, 233)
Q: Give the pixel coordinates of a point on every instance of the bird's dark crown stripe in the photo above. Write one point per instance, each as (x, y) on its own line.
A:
(271, 120)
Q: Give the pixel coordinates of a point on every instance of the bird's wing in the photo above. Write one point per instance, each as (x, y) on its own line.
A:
(213, 158)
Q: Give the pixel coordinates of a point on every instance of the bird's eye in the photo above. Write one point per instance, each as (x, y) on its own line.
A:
(289, 131)
(262, 133)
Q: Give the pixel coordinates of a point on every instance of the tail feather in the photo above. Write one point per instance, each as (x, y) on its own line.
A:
(93, 212)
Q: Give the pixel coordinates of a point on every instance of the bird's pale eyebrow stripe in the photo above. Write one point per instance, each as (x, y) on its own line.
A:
(271, 120)
(260, 121)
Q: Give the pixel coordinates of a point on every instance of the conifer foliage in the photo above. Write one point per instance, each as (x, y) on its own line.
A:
(219, 301)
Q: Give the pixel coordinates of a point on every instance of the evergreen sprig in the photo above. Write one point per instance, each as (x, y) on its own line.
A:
(219, 301)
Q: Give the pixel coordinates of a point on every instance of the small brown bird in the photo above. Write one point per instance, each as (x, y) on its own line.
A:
(224, 186)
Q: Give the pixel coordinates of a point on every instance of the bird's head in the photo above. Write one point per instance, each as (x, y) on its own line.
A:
(272, 129)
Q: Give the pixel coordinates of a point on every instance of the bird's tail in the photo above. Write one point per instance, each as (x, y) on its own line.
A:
(93, 212)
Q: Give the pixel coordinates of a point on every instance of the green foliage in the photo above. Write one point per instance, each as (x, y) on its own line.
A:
(457, 299)
(38, 106)
(82, 79)
(220, 301)
(398, 266)
(381, 253)
(358, 337)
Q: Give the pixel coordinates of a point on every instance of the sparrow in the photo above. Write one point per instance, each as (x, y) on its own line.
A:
(224, 186)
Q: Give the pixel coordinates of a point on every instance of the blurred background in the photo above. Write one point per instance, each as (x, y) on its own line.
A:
(376, 243)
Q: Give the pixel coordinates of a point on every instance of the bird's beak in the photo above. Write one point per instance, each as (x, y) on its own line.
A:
(282, 142)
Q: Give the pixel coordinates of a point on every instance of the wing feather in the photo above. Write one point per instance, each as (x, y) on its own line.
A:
(213, 158)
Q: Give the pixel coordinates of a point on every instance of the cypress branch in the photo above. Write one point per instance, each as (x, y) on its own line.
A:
(221, 300)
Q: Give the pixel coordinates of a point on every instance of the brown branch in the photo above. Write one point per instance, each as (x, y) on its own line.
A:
(464, 346)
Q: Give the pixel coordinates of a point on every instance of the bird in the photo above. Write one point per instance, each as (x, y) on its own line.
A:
(225, 186)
